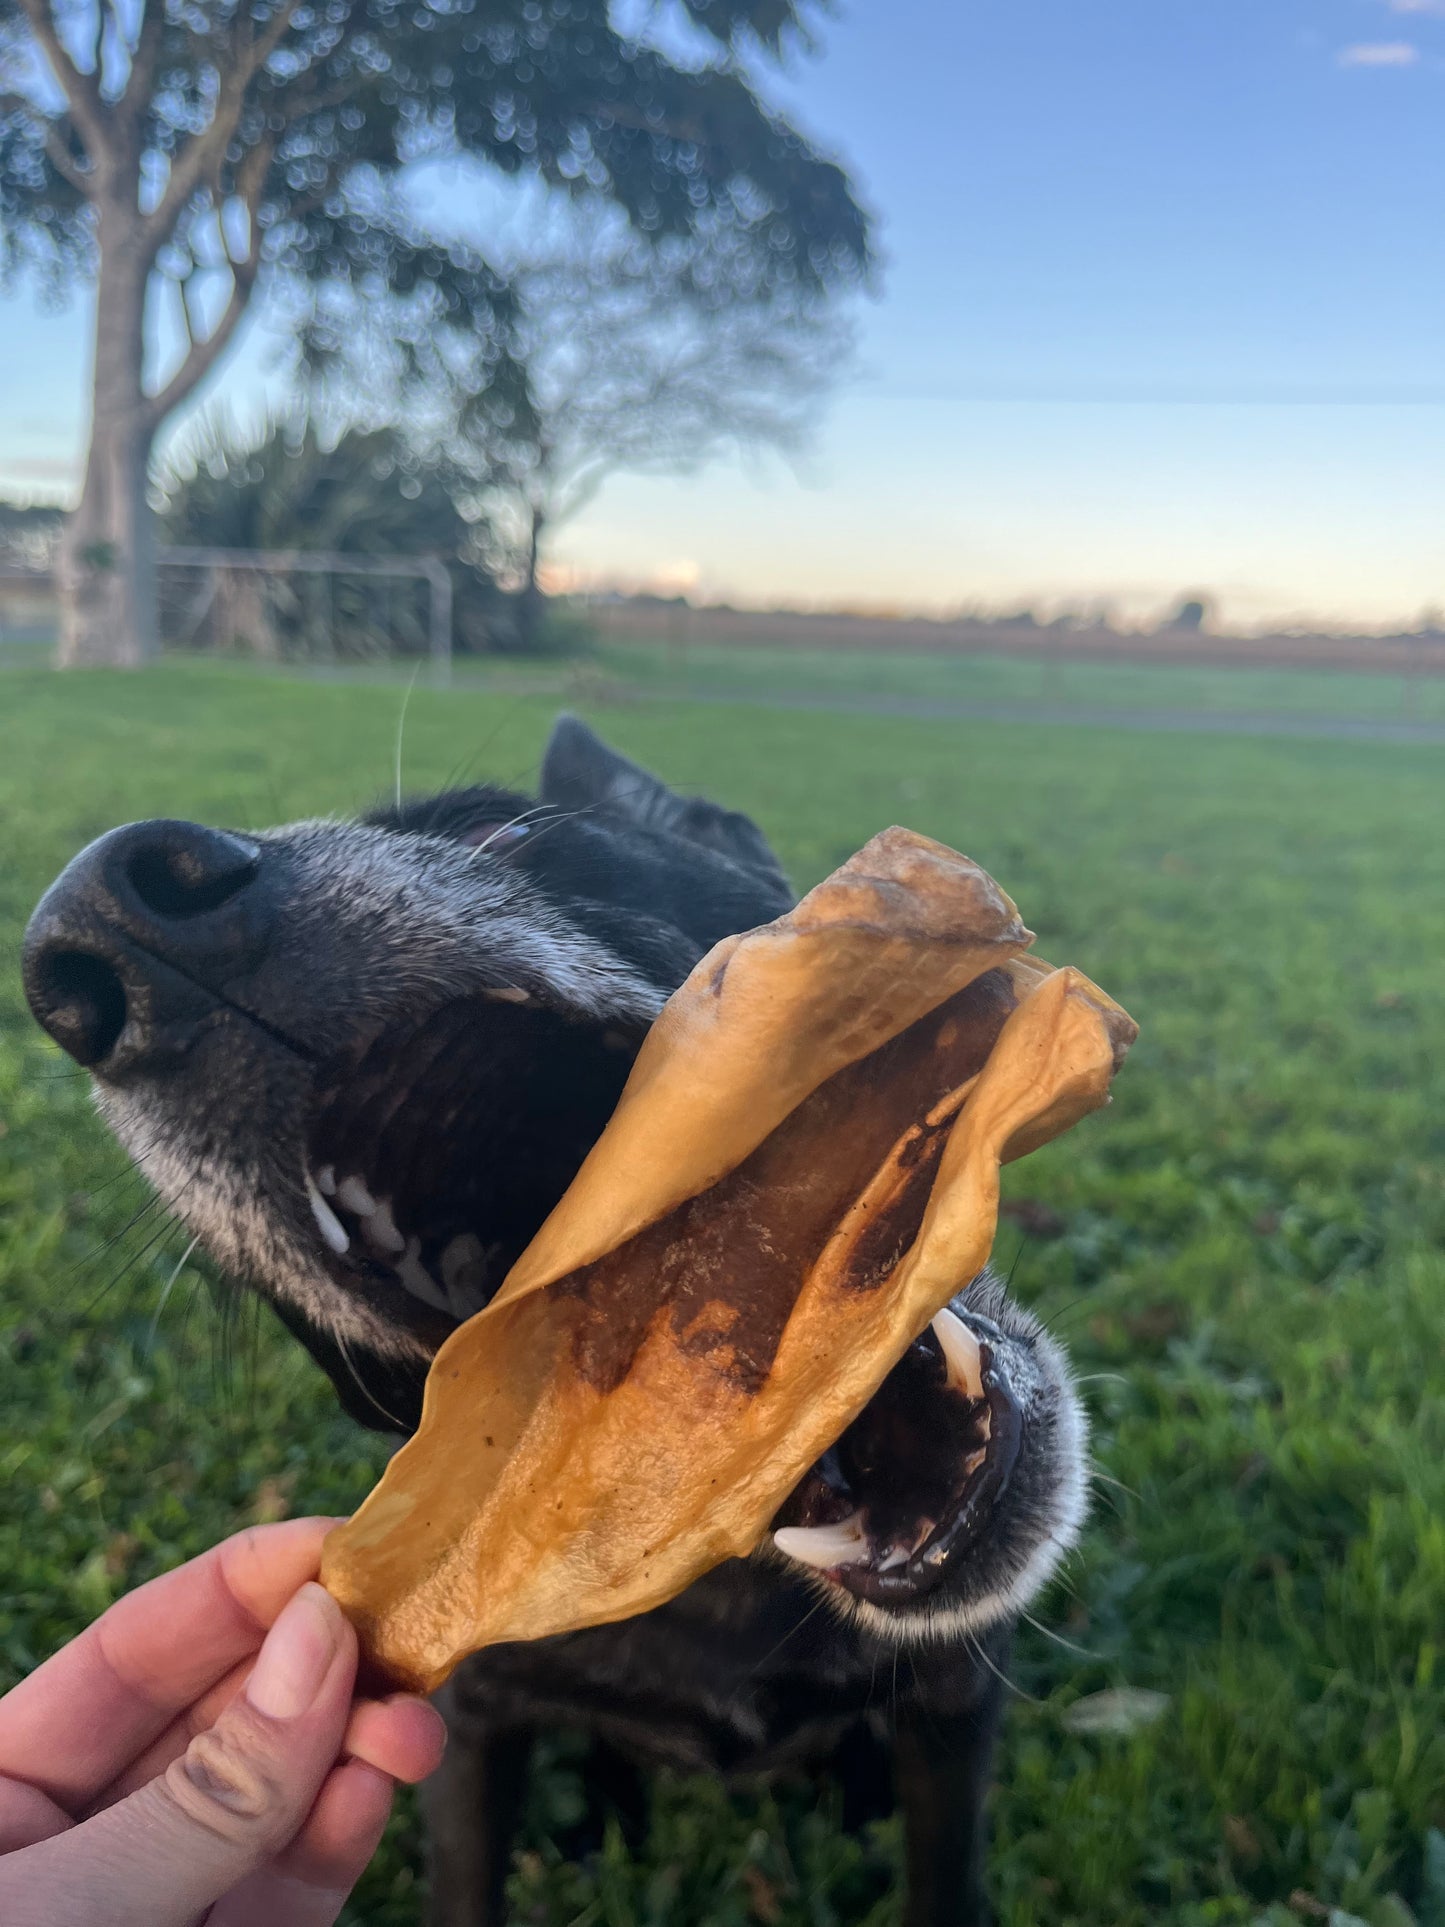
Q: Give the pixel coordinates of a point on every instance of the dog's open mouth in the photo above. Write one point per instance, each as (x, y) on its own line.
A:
(436, 1151)
(916, 1476)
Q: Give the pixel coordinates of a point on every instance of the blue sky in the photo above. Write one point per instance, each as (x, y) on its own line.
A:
(1163, 311)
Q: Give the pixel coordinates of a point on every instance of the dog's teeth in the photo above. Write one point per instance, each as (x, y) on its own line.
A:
(960, 1353)
(824, 1546)
(508, 994)
(899, 1556)
(326, 1180)
(463, 1250)
(327, 1221)
(378, 1227)
(418, 1280)
(353, 1196)
(463, 1268)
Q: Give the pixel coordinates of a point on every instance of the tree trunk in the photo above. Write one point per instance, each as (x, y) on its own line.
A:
(107, 567)
(533, 601)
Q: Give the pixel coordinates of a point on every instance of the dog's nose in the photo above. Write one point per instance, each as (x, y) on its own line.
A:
(133, 944)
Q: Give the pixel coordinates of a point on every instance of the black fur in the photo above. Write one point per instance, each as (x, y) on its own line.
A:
(435, 1009)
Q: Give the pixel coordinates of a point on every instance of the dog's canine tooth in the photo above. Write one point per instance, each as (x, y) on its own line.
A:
(417, 1279)
(508, 994)
(960, 1353)
(354, 1196)
(327, 1222)
(463, 1274)
(464, 1249)
(378, 1227)
(824, 1546)
(326, 1180)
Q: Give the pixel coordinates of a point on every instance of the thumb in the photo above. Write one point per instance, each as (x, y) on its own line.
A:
(233, 1800)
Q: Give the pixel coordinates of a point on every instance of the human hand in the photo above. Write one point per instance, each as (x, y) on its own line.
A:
(179, 1762)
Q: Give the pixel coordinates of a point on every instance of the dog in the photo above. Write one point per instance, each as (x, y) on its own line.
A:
(361, 1061)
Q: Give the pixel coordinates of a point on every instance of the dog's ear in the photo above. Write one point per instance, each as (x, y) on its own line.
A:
(581, 772)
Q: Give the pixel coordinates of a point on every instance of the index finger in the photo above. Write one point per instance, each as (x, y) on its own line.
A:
(75, 1723)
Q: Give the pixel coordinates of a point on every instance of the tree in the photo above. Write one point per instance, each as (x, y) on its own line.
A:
(631, 355)
(193, 154)
(633, 362)
(1189, 617)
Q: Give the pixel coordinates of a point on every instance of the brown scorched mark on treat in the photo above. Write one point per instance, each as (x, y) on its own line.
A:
(714, 1265)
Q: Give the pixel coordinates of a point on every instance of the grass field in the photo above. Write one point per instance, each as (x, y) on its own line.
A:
(1251, 1273)
(616, 670)
(851, 674)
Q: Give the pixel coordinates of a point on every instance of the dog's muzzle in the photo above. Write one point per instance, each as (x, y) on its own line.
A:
(132, 948)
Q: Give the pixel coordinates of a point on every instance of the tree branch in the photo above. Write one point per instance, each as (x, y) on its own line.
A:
(143, 60)
(260, 49)
(53, 134)
(199, 161)
(203, 355)
(638, 121)
(251, 183)
(182, 284)
(81, 90)
(63, 161)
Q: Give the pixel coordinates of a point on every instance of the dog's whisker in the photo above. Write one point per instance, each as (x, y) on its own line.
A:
(1106, 1478)
(541, 815)
(401, 729)
(1003, 1679)
(166, 1289)
(365, 1390)
(92, 1258)
(158, 1237)
(1082, 1652)
(817, 1606)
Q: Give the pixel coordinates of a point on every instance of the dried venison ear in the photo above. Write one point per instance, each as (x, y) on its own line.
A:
(803, 1167)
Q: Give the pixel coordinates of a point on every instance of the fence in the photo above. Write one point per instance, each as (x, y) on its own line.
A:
(354, 607)
(317, 603)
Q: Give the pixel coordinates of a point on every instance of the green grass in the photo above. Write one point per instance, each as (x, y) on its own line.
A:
(1250, 1275)
(743, 670)
(616, 671)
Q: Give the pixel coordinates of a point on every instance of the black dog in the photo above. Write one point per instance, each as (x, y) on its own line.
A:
(362, 1061)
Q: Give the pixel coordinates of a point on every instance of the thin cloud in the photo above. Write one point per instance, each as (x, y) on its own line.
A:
(1379, 53)
(1417, 6)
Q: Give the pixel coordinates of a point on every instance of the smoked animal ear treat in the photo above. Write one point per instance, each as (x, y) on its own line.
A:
(802, 1169)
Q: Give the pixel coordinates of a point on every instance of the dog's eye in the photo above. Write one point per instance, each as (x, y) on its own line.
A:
(494, 836)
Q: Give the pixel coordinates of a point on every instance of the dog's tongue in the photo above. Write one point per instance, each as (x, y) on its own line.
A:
(802, 1169)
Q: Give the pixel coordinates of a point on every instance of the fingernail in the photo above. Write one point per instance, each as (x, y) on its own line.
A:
(296, 1657)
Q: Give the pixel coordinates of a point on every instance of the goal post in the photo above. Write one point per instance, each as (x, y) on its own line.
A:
(335, 564)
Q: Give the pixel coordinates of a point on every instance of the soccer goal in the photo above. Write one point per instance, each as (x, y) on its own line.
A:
(317, 605)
